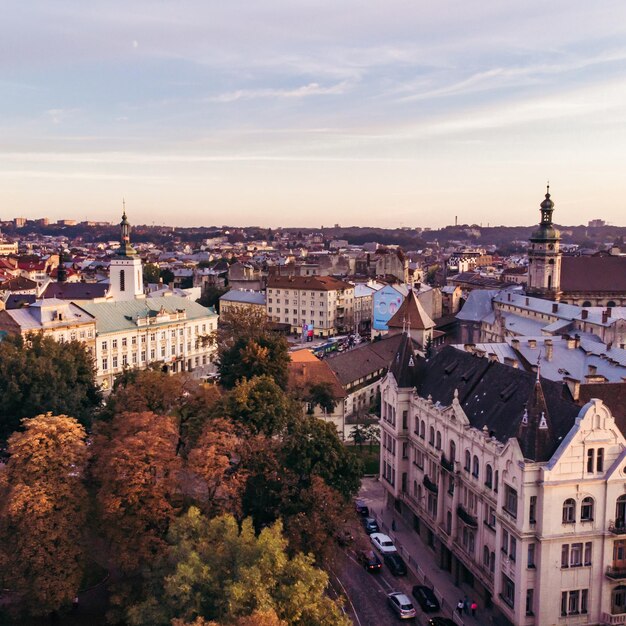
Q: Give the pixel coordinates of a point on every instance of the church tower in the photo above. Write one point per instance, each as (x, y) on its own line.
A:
(125, 274)
(544, 256)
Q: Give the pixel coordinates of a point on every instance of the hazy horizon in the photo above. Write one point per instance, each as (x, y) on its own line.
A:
(387, 114)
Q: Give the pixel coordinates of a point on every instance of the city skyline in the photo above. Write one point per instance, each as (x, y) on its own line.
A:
(386, 115)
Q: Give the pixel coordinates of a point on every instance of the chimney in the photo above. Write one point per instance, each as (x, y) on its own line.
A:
(609, 310)
(574, 386)
(584, 314)
(577, 340)
(515, 344)
(493, 357)
(469, 347)
(549, 349)
(555, 307)
(571, 342)
(527, 301)
(605, 317)
(592, 369)
(532, 343)
(510, 361)
(509, 294)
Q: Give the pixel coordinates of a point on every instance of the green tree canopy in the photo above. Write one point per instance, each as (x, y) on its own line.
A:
(43, 510)
(41, 375)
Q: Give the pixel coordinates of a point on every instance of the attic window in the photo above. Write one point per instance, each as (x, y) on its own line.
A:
(508, 391)
(451, 367)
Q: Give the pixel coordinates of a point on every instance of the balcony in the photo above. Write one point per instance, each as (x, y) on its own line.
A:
(609, 618)
(616, 573)
(430, 485)
(617, 527)
(466, 517)
(447, 465)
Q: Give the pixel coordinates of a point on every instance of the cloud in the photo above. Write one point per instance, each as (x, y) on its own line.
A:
(304, 91)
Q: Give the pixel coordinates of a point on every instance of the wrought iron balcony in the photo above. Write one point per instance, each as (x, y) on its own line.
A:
(430, 485)
(617, 527)
(466, 517)
(616, 573)
(447, 465)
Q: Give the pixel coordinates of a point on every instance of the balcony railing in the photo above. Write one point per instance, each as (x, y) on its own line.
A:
(609, 618)
(617, 527)
(466, 517)
(616, 573)
(447, 465)
(430, 485)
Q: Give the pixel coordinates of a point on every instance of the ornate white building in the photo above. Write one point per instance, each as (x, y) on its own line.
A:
(519, 492)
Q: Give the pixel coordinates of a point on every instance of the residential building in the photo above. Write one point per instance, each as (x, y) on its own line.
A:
(240, 299)
(324, 302)
(519, 492)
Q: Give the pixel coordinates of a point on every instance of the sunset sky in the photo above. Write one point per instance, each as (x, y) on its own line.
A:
(387, 113)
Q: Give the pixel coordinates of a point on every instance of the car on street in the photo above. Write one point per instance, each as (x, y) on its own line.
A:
(369, 560)
(370, 525)
(426, 598)
(361, 507)
(402, 605)
(382, 543)
(440, 621)
(395, 564)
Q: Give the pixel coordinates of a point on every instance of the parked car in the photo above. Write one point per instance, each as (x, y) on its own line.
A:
(402, 605)
(370, 525)
(440, 621)
(395, 564)
(344, 537)
(426, 598)
(369, 560)
(382, 543)
(361, 507)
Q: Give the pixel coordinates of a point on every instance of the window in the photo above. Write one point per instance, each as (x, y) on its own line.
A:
(569, 511)
(529, 602)
(431, 436)
(468, 460)
(104, 346)
(488, 476)
(587, 559)
(512, 548)
(576, 555)
(475, 467)
(590, 458)
(452, 452)
(422, 429)
(405, 419)
(105, 364)
(490, 517)
(495, 482)
(438, 441)
(405, 449)
(508, 591)
(505, 541)
(114, 362)
(510, 500)
(531, 556)
(122, 280)
(114, 344)
(124, 342)
(486, 556)
(600, 460)
(532, 510)
(565, 555)
(586, 509)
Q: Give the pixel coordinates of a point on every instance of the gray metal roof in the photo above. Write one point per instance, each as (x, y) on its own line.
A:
(244, 297)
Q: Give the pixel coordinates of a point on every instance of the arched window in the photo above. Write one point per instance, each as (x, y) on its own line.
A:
(122, 280)
(620, 512)
(422, 429)
(452, 451)
(488, 476)
(486, 556)
(569, 511)
(586, 509)
(468, 460)
(431, 436)
(438, 441)
(496, 481)
(586, 303)
(475, 467)
(611, 304)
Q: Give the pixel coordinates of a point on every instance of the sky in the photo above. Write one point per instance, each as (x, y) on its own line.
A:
(391, 113)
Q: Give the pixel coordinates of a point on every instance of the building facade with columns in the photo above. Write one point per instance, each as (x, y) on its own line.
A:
(520, 493)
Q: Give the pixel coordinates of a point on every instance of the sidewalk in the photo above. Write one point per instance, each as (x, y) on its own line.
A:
(421, 559)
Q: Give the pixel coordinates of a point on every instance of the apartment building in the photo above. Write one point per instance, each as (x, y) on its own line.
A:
(519, 492)
(323, 302)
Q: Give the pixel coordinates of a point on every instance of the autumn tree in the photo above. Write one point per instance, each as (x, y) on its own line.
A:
(220, 571)
(321, 394)
(40, 375)
(43, 509)
(260, 406)
(137, 473)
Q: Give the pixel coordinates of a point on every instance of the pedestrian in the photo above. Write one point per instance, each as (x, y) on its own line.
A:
(466, 605)
(393, 524)
(75, 602)
(459, 607)
(473, 607)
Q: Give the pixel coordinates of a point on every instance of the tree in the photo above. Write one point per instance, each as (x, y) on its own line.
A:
(357, 434)
(43, 509)
(211, 295)
(260, 406)
(40, 375)
(217, 570)
(321, 394)
(137, 472)
(151, 273)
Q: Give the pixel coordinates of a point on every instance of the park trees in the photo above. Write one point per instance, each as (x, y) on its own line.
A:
(43, 508)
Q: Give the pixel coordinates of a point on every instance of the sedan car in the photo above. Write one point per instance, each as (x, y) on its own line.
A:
(395, 564)
(401, 604)
(361, 507)
(382, 543)
(440, 621)
(370, 525)
(370, 561)
(426, 598)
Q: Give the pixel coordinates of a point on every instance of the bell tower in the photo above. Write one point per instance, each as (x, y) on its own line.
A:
(126, 272)
(544, 255)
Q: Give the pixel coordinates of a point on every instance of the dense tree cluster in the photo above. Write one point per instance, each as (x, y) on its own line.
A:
(208, 505)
